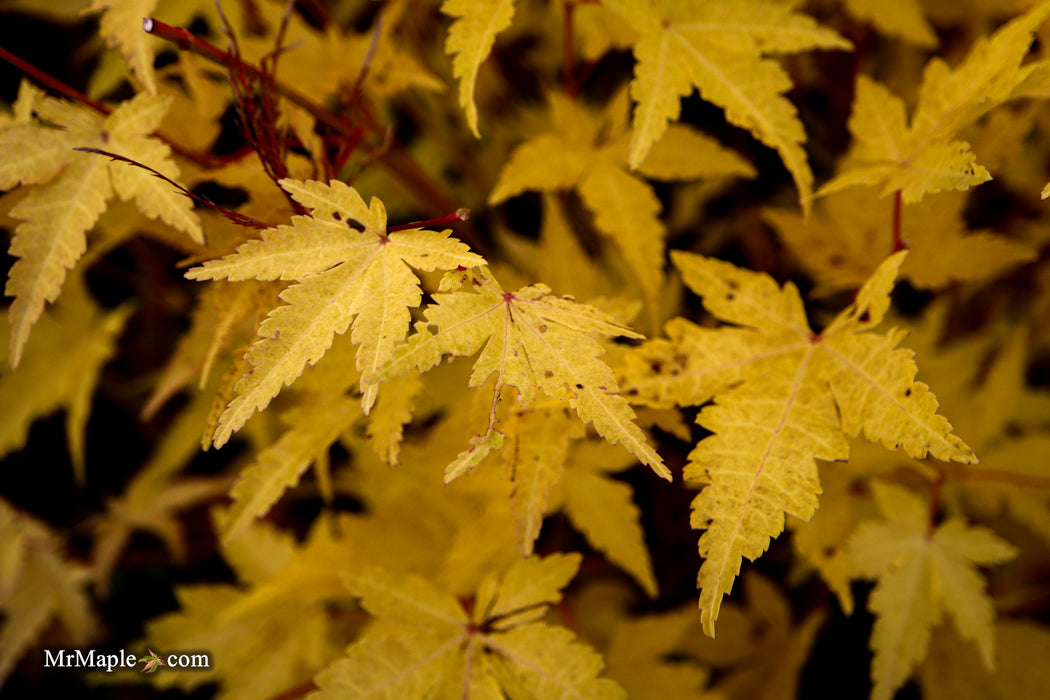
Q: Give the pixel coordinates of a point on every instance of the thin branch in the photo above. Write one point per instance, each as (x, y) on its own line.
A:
(188, 41)
(397, 159)
(257, 105)
(71, 93)
(235, 217)
(458, 215)
(51, 82)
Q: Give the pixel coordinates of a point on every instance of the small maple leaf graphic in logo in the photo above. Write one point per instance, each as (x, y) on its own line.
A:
(152, 662)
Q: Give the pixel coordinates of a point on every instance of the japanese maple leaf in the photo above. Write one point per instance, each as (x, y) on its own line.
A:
(841, 244)
(924, 156)
(529, 340)
(347, 278)
(423, 642)
(70, 190)
(718, 47)
(921, 575)
(902, 18)
(41, 591)
(72, 342)
(470, 39)
(589, 154)
(783, 397)
(152, 662)
(553, 469)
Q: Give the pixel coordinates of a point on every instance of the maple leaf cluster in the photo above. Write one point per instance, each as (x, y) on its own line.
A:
(438, 326)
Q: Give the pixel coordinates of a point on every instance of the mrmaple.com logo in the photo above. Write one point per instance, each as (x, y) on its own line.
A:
(151, 661)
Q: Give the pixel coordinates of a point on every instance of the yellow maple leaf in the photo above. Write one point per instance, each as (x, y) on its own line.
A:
(63, 362)
(444, 650)
(849, 232)
(718, 48)
(923, 156)
(312, 428)
(921, 575)
(537, 445)
(764, 650)
(347, 278)
(953, 670)
(589, 154)
(552, 469)
(603, 509)
(270, 628)
(121, 26)
(470, 39)
(640, 656)
(784, 396)
(37, 585)
(273, 627)
(903, 18)
(71, 192)
(529, 340)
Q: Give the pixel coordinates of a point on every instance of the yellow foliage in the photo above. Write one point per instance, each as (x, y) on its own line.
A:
(840, 246)
(718, 48)
(807, 391)
(348, 279)
(921, 575)
(532, 341)
(121, 25)
(448, 651)
(470, 39)
(924, 156)
(481, 417)
(38, 584)
(72, 192)
(70, 346)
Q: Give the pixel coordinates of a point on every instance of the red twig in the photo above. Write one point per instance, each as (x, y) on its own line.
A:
(56, 85)
(458, 215)
(187, 41)
(233, 216)
(255, 94)
(53, 83)
(397, 159)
